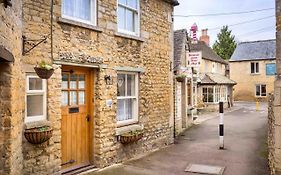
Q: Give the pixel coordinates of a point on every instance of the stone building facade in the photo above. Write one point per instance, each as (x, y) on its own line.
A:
(94, 59)
(256, 61)
(11, 87)
(274, 138)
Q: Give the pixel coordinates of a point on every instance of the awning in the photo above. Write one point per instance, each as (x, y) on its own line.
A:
(5, 55)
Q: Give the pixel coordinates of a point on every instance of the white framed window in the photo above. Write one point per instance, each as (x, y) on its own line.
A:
(127, 98)
(255, 68)
(35, 106)
(128, 16)
(84, 11)
(214, 94)
(261, 90)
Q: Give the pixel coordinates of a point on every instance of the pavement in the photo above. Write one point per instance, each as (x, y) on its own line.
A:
(245, 150)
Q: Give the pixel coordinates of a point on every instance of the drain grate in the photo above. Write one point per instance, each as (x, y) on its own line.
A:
(205, 169)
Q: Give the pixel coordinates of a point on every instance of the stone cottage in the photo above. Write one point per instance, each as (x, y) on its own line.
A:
(256, 61)
(111, 78)
(214, 84)
(184, 93)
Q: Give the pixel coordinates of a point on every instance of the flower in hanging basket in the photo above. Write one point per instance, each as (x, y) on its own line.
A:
(38, 135)
(44, 70)
(180, 78)
(131, 137)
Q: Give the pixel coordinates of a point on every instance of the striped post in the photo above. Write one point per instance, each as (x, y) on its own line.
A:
(221, 126)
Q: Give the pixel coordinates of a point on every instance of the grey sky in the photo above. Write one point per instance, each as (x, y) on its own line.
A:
(259, 30)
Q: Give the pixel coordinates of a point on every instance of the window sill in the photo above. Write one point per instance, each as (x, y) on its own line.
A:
(254, 74)
(123, 35)
(125, 129)
(79, 24)
(36, 124)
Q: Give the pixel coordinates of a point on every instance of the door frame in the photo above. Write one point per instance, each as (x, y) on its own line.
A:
(90, 100)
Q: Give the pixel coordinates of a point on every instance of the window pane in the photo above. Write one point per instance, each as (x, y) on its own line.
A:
(64, 98)
(210, 95)
(121, 18)
(129, 109)
(121, 110)
(258, 92)
(64, 84)
(82, 9)
(68, 7)
(122, 2)
(34, 105)
(121, 85)
(130, 20)
(73, 81)
(35, 84)
(130, 85)
(132, 3)
(81, 98)
(81, 82)
(257, 68)
(263, 90)
(252, 68)
(73, 98)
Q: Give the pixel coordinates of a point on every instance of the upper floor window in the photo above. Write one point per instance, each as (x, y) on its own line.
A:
(128, 16)
(127, 98)
(35, 99)
(80, 10)
(255, 68)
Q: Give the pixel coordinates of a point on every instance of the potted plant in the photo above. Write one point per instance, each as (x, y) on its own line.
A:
(180, 77)
(131, 136)
(44, 70)
(38, 135)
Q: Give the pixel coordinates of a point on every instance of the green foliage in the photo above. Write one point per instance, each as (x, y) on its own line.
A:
(225, 44)
(44, 65)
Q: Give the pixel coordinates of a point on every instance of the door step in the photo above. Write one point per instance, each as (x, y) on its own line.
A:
(82, 170)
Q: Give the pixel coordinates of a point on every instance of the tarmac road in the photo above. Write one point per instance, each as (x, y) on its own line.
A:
(245, 143)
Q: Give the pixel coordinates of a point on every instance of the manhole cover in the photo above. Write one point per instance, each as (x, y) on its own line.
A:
(205, 169)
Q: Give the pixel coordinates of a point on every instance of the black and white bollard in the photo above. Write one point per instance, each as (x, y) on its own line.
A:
(221, 126)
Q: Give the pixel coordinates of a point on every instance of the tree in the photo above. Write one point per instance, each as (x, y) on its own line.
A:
(225, 44)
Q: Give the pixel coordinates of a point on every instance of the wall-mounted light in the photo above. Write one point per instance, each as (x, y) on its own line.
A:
(108, 80)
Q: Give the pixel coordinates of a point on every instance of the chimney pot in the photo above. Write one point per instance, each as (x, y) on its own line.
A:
(205, 37)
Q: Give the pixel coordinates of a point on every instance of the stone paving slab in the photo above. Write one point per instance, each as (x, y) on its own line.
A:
(205, 169)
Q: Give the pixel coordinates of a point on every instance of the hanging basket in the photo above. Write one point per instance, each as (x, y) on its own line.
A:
(180, 79)
(38, 135)
(131, 137)
(44, 73)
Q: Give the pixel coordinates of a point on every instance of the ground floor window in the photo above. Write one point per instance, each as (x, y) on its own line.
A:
(261, 90)
(214, 94)
(35, 99)
(127, 98)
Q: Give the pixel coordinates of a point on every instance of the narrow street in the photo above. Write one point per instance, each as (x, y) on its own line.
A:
(245, 143)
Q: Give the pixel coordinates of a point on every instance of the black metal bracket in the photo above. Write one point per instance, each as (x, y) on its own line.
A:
(6, 3)
(32, 43)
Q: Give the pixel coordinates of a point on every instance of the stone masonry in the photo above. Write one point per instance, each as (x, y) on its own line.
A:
(275, 107)
(98, 46)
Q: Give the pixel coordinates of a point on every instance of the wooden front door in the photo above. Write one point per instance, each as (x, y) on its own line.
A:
(75, 105)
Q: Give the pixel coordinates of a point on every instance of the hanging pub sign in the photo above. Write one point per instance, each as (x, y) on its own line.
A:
(194, 59)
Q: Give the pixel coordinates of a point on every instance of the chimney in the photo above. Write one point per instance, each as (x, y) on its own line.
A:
(205, 37)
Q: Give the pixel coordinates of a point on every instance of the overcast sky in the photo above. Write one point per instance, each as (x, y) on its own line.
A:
(259, 30)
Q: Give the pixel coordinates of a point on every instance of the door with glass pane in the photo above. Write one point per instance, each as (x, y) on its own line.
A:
(75, 117)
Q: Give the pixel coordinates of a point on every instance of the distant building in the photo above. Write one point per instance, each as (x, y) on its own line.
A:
(252, 66)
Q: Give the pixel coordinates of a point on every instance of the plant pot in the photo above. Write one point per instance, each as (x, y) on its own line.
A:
(131, 138)
(44, 73)
(180, 79)
(37, 135)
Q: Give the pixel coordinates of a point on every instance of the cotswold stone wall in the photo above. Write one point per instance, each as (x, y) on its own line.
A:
(11, 91)
(107, 49)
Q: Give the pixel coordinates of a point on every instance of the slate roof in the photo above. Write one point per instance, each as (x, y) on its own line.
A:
(180, 37)
(215, 79)
(207, 52)
(255, 50)
(173, 2)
